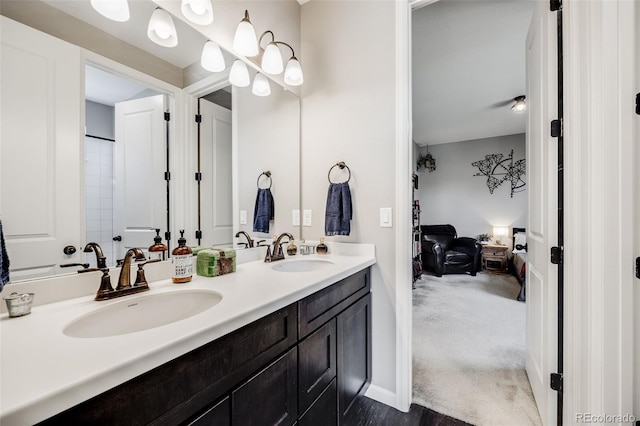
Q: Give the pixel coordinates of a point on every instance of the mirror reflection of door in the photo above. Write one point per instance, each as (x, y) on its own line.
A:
(125, 161)
(215, 148)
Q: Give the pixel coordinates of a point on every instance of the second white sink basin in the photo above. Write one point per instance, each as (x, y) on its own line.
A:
(302, 265)
(137, 313)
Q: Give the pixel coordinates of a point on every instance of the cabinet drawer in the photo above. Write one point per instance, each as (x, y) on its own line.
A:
(320, 307)
(219, 415)
(324, 411)
(494, 251)
(317, 363)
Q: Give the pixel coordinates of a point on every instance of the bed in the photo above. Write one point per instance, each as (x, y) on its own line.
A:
(519, 259)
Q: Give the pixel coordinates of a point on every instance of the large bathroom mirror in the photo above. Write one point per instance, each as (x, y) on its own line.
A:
(56, 181)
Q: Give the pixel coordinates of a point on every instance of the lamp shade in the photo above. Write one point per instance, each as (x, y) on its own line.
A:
(212, 59)
(272, 59)
(239, 74)
(161, 29)
(293, 73)
(198, 11)
(261, 86)
(116, 10)
(500, 232)
(245, 41)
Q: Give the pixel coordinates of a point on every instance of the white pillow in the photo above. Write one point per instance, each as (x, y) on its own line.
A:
(519, 239)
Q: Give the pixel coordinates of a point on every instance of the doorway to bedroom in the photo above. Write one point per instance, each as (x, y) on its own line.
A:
(469, 345)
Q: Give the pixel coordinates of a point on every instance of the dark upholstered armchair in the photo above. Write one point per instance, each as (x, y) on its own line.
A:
(444, 253)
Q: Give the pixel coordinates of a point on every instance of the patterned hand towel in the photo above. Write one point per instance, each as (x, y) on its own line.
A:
(338, 214)
(263, 211)
(4, 261)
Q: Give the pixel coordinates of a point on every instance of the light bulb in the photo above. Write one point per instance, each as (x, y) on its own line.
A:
(293, 73)
(239, 74)
(520, 105)
(261, 86)
(116, 10)
(161, 29)
(244, 41)
(272, 59)
(198, 11)
(212, 59)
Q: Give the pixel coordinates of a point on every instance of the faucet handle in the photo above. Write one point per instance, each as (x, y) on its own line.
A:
(141, 280)
(105, 285)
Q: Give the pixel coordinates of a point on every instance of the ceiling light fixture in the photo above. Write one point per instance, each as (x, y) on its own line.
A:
(116, 10)
(239, 74)
(245, 41)
(198, 11)
(212, 58)
(520, 105)
(161, 29)
(261, 86)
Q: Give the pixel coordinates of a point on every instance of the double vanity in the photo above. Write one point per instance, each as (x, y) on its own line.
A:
(280, 342)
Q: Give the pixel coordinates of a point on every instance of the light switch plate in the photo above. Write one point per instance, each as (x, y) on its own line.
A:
(243, 217)
(295, 217)
(386, 219)
(306, 218)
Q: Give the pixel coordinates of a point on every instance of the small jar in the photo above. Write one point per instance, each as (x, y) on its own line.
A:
(322, 247)
(292, 249)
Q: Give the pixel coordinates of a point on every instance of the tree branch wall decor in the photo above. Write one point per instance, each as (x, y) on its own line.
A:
(499, 169)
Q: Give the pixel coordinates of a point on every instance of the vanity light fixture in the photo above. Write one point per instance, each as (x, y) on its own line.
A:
(520, 105)
(245, 41)
(261, 86)
(116, 10)
(271, 58)
(293, 72)
(239, 74)
(198, 11)
(212, 59)
(161, 29)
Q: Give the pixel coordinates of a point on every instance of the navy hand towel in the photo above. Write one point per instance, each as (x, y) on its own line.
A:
(263, 211)
(338, 214)
(4, 261)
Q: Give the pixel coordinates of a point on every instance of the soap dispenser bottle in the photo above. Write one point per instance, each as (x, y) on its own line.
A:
(322, 247)
(182, 261)
(158, 250)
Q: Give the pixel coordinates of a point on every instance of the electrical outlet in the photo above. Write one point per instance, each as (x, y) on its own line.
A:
(306, 218)
(243, 217)
(295, 217)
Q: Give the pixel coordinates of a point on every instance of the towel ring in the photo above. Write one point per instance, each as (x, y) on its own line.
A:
(342, 165)
(267, 174)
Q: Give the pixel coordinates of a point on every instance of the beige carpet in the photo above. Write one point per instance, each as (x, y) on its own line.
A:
(469, 349)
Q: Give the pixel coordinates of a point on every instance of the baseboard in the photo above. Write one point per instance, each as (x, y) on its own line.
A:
(382, 395)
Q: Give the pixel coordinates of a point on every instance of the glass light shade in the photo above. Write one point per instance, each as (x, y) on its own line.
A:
(116, 10)
(261, 86)
(212, 59)
(161, 29)
(239, 74)
(293, 73)
(272, 59)
(520, 105)
(198, 11)
(245, 41)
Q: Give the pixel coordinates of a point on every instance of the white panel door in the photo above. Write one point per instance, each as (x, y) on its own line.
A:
(542, 227)
(215, 164)
(140, 191)
(40, 150)
(636, 191)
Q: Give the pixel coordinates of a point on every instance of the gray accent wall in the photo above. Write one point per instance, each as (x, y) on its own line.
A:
(99, 120)
(453, 195)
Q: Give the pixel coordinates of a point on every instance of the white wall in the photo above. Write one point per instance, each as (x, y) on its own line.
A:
(348, 114)
(452, 194)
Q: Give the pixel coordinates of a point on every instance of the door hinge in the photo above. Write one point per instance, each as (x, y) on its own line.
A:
(198, 118)
(556, 128)
(198, 176)
(556, 255)
(638, 104)
(555, 5)
(167, 236)
(167, 175)
(198, 235)
(637, 267)
(556, 382)
(167, 116)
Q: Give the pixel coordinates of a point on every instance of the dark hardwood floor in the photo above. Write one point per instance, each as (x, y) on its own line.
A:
(367, 412)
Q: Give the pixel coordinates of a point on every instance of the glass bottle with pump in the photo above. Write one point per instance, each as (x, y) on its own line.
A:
(158, 250)
(322, 247)
(182, 258)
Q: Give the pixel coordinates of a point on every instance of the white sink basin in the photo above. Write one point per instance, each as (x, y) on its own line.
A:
(138, 313)
(303, 265)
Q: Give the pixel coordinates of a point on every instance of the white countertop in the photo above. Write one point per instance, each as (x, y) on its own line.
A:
(44, 372)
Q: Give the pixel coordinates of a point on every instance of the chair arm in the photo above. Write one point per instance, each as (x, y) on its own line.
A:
(470, 247)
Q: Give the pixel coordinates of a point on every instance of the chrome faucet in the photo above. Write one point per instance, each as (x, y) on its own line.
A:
(101, 261)
(249, 240)
(277, 253)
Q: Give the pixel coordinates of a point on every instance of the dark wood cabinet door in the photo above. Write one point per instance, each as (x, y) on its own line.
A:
(218, 415)
(324, 411)
(316, 363)
(270, 397)
(354, 353)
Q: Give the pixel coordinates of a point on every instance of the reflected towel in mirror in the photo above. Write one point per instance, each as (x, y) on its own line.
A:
(263, 211)
(4, 260)
(338, 214)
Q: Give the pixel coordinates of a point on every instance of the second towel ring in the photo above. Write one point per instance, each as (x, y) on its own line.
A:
(267, 174)
(342, 165)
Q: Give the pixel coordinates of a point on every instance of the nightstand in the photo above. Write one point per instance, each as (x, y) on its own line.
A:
(494, 257)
